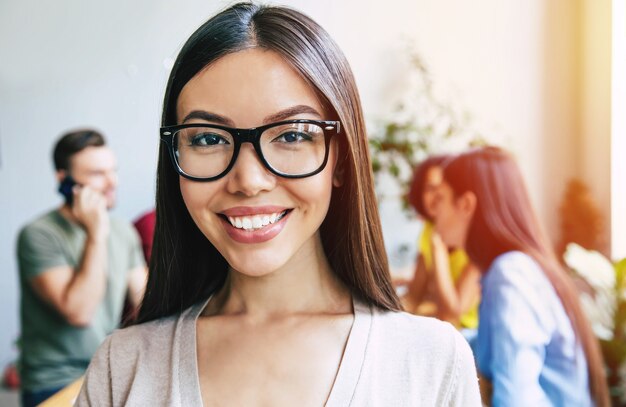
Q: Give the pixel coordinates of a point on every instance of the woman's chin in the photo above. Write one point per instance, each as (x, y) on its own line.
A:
(256, 267)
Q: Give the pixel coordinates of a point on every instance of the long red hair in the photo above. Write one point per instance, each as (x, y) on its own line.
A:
(504, 221)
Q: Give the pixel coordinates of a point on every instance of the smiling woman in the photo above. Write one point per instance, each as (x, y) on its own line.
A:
(268, 282)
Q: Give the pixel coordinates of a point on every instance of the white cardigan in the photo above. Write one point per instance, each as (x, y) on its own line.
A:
(391, 359)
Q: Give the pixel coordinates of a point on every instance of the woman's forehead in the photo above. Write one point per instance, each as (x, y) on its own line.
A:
(247, 87)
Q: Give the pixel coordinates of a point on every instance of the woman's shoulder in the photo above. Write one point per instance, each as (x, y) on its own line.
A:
(405, 326)
(513, 258)
(419, 350)
(156, 336)
(148, 342)
(138, 361)
(146, 334)
(429, 340)
(161, 333)
(515, 267)
(133, 347)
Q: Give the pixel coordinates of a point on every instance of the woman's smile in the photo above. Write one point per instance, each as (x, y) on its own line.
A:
(249, 224)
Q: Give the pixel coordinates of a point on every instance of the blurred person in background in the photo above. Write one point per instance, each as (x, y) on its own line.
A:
(144, 225)
(534, 345)
(445, 283)
(77, 264)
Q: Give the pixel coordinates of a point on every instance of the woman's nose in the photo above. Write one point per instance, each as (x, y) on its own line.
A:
(249, 176)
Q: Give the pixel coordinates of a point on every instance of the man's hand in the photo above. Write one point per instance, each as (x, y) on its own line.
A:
(77, 292)
(90, 210)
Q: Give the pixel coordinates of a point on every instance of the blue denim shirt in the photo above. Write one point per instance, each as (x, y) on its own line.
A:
(526, 345)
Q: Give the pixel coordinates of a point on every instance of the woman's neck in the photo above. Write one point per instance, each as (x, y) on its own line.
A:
(305, 285)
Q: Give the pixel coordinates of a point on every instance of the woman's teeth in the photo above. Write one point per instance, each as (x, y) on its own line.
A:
(255, 222)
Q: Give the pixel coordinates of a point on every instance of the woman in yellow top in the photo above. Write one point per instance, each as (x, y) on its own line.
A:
(445, 283)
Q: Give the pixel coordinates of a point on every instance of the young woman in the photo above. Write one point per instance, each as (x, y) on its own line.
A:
(445, 283)
(268, 281)
(534, 343)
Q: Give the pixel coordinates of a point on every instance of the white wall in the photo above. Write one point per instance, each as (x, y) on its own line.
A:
(70, 63)
(595, 104)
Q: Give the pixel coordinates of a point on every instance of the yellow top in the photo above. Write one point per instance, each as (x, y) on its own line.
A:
(458, 261)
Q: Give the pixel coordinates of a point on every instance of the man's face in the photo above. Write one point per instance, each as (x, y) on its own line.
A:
(96, 167)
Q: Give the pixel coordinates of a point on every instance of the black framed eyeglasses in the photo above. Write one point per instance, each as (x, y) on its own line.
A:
(290, 149)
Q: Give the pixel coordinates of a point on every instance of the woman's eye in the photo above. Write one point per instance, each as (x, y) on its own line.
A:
(207, 139)
(292, 137)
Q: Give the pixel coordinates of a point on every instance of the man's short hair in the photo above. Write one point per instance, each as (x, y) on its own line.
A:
(74, 142)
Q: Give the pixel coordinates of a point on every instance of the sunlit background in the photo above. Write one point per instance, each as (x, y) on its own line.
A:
(544, 79)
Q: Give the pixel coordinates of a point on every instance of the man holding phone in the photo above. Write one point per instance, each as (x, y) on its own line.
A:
(77, 266)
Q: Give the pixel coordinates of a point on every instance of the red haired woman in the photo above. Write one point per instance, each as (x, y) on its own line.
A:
(534, 343)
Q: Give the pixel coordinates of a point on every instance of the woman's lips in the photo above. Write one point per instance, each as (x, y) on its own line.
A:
(253, 210)
(255, 235)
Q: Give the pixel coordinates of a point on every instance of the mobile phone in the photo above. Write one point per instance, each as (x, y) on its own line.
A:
(66, 189)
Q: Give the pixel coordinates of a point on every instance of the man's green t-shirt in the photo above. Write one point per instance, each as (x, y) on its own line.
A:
(54, 353)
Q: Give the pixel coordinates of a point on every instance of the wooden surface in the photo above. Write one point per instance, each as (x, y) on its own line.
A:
(65, 397)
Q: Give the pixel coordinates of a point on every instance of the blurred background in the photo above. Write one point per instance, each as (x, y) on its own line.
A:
(544, 79)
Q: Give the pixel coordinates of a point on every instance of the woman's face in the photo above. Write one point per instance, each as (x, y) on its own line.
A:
(433, 179)
(248, 89)
(453, 216)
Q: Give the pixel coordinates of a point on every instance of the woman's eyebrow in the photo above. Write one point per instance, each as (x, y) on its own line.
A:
(209, 117)
(290, 112)
(275, 117)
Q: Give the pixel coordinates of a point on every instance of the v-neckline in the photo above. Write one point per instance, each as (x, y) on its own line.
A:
(346, 379)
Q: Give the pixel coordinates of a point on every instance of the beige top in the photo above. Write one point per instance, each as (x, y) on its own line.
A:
(390, 359)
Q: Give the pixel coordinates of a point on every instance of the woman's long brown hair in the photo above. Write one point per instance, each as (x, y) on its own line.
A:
(506, 221)
(185, 267)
